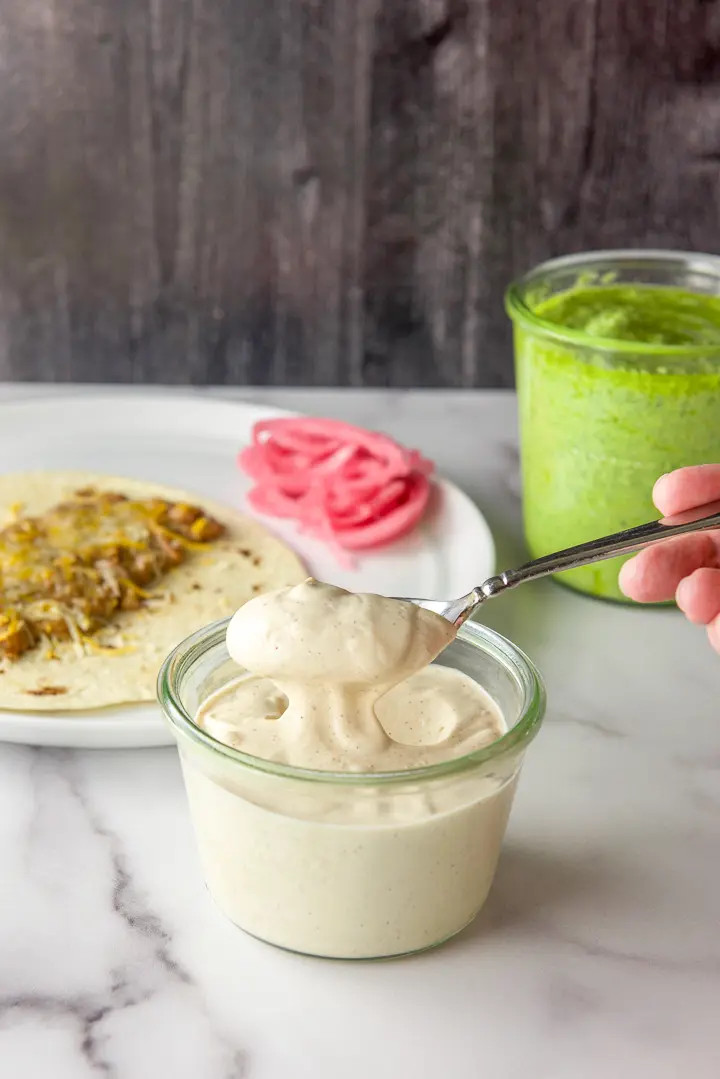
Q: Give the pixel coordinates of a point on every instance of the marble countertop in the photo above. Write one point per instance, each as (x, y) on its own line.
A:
(597, 954)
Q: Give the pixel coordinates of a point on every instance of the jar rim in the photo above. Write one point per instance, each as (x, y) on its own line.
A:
(520, 312)
(191, 651)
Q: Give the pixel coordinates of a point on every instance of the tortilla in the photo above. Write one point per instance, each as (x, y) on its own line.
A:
(210, 584)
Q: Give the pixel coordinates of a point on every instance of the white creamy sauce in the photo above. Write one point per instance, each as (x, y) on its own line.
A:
(341, 682)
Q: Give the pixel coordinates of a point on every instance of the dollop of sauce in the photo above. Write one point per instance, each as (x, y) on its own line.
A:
(341, 681)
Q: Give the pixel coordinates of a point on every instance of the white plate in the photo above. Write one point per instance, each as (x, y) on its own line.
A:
(192, 442)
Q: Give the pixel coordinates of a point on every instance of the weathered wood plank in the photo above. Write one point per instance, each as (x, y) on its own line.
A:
(331, 191)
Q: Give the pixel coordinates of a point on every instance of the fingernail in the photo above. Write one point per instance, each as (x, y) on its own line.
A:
(624, 577)
(680, 595)
(657, 484)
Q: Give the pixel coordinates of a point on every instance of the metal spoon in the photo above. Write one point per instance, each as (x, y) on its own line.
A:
(700, 519)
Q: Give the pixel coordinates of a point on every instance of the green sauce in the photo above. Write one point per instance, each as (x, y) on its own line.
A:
(601, 421)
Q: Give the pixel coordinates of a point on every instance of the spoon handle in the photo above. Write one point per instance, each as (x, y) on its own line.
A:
(700, 519)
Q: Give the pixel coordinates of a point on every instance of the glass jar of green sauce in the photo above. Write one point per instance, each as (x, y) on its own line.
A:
(617, 357)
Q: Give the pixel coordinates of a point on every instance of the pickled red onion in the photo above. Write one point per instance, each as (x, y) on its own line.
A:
(352, 488)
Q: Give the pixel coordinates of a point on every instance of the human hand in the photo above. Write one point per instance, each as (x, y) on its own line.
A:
(687, 567)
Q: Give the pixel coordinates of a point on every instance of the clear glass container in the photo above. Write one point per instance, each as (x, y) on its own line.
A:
(617, 357)
(350, 865)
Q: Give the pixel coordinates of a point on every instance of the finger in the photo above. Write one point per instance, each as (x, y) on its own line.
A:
(686, 488)
(713, 632)
(698, 596)
(653, 575)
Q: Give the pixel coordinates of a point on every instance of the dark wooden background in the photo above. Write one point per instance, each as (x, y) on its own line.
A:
(331, 191)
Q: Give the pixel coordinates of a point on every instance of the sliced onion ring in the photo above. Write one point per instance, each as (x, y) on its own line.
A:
(352, 488)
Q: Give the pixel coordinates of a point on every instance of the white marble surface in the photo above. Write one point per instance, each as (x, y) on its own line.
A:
(598, 953)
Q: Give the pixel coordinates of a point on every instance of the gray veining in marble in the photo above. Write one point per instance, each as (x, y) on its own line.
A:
(597, 955)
